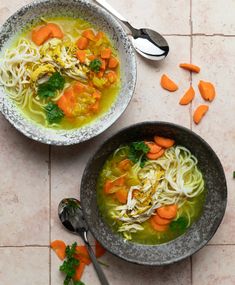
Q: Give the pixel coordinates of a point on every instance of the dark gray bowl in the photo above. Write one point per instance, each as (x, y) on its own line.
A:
(101, 19)
(196, 236)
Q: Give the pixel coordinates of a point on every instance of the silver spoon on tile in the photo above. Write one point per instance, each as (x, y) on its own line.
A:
(71, 216)
(146, 42)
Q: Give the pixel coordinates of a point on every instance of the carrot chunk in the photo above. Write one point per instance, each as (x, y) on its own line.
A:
(99, 250)
(121, 195)
(164, 142)
(79, 87)
(96, 95)
(55, 30)
(105, 53)
(67, 102)
(79, 271)
(207, 90)
(112, 76)
(81, 55)
(199, 113)
(161, 221)
(157, 227)
(154, 156)
(124, 165)
(113, 62)
(82, 254)
(188, 96)
(168, 84)
(41, 35)
(99, 36)
(82, 43)
(108, 186)
(190, 67)
(168, 212)
(59, 248)
(153, 147)
(89, 34)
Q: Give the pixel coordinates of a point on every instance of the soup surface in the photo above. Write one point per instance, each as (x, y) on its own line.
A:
(151, 192)
(62, 73)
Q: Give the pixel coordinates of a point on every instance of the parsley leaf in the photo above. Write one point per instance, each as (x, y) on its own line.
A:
(179, 225)
(54, 113)
(137, 152)
(78, 283)
(48, 89)
(95, 65)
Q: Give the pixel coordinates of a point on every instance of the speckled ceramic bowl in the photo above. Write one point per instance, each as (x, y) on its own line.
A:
(196, 236)
(103, 20)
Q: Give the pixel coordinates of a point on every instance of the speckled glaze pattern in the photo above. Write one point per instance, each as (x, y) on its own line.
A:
(197, 235)
(99, 18)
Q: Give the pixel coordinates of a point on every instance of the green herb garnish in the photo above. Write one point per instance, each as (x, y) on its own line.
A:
(54, 113)
(234, 174)
(49, 88)
(179, 225)
(138, 151)
(70, 264)
(95, 65)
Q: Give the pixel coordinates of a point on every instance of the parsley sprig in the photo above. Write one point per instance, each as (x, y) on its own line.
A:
(137, 152)
(48, 89)
(95, 65)
(54, 113)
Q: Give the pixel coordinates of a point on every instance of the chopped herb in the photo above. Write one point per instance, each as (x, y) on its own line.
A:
(234, 174)
(95, 65)
(49, 88)
(138, 152)
(179, 225)
(69, 265)
(54, 113)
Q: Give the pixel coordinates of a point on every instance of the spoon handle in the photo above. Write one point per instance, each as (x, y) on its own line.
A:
(99, 271)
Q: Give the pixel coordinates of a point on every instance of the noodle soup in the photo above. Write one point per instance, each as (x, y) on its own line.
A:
(151, 192)
(62, 73)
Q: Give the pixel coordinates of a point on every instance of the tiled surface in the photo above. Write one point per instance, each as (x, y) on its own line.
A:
(35, 178)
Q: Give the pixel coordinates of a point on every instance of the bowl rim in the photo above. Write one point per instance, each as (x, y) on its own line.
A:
(202, 243)
(69, 137)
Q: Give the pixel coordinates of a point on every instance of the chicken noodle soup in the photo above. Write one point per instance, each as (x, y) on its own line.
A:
(151, 191)
(62, 73)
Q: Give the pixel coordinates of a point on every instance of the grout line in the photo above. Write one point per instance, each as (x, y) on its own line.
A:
(221, 244)
(25, 245)
(49, 173)
(191, 268)
(191, 56)
(199, 35)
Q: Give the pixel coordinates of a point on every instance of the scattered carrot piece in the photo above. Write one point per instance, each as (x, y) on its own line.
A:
(82, 43)
(207, 90)
(55, 30)
(164, 142)
(161, 221)
(105, 53)
(59, 248)
(81, 55)
(121, 195)
(190, 67)
(154, 156)
(157, 227)
(113, 62)
(168, 212)
(89, 34)
(124, 164)
(188, 96)
(199, 113)
(153, 147)
(79, 271)
(41, 35)
(82, 254)
(168, 84)
(99, 250)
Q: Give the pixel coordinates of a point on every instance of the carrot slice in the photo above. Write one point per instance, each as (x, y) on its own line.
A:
(124, 164)
(79, 271)
(164, 142)
(168, 212)
(121, 195)
(157, 227)
(99, 250)
(161, 221)
(113, 62)
(190, 67)
(112, 76)
(188, 96)
(59, 248)
(154, 156)
(207, 90)
(168, 84)
(82, 254)
(89, 34)
(82, 43)
(108, 186)
(154, 148)
(55, 30)
(41, 35)
(105, 53)
(81, 55)
(199, 113)
(67, 102)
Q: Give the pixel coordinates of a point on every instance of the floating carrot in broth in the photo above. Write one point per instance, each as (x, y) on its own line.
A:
(153, 147)
(113, 62)
(168, 212)
(121, 195)
(89, 34)
(157, 227)
(154, 156)
(161, 221)
(82, 43)
(56, 31)
(105, 53)
(164, 142)
(41, 35)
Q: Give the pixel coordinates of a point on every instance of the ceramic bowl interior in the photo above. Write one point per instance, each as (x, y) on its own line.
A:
(196, 236)
(30, 14)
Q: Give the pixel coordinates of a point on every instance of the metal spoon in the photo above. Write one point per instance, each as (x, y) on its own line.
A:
(71, 216)
(147, 42)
